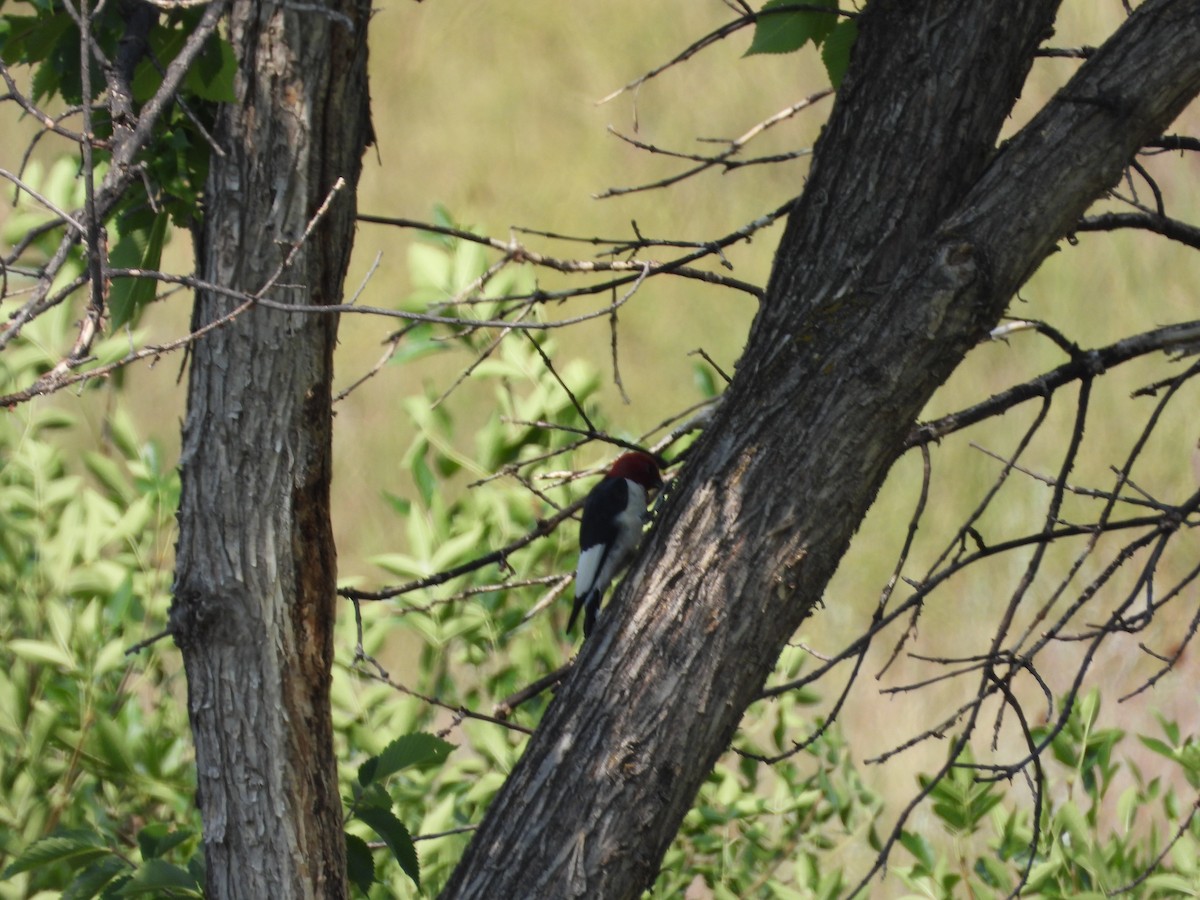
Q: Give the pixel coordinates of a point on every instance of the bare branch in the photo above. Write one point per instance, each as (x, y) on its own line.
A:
(460, 712)
(724, 159)
(1168, 338)
(1188, 235)
(62, 214)
(719, 35)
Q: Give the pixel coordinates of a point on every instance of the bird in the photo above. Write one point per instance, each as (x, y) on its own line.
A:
(614, 514)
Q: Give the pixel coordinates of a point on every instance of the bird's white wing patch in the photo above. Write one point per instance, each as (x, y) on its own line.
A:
(587, 569)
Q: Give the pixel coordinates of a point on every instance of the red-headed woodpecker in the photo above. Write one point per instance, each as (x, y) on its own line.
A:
(613, 516)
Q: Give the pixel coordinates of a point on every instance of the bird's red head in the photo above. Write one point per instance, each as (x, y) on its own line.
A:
(639, 467)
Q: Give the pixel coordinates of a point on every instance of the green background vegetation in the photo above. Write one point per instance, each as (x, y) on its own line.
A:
(489, 110)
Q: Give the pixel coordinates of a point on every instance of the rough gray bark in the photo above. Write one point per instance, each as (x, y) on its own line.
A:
(909, 240)
(255, 574)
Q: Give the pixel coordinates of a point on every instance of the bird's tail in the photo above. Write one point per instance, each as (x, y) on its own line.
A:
(589, 602)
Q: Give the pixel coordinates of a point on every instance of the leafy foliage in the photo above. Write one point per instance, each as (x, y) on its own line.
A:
(99, 746)
(1089, 846)
(47, 42)
(90, 750)
(760, 830)
(472, 624)
(792, 26)
(82, 550)
(372, 804)
(784, 26)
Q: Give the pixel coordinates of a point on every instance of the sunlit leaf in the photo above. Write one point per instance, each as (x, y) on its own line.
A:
(835, 51)
(42, 652)
(786, 32)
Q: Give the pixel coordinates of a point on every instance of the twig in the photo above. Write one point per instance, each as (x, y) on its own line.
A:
(462, 829)
(45, 201)
(723, 159)
(570, 394)
(1158, 339)
(543, 528)
(714, 37)
(460, 712)
(47, 385)
(505, 707)
(703, 354)
(153, 639)
(1153, 866)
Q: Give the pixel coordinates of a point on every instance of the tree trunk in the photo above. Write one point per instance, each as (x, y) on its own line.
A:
(255, 578)
(912, 234)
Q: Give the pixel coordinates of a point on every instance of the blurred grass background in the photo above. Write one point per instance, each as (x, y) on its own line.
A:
(490, 110)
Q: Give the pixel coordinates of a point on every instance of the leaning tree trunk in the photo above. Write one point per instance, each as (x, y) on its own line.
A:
(255, 579)
(912, 234)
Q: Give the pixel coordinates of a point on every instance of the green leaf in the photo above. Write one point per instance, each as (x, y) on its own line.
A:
(195, 865)
(1172, 885)
(75, 848)
(835, 51)
(396, 836)
(92, 880)
(458, 548)
(165, 45)
(1128, 805)
(952, 815)
(418, 750)
(112, 744)
(120, 429)
(429, 268)
(400, 505)
(47, 81)
(1158, 746)
(211, 77)
(158, 878)
(443, 219)
(786, 32)
(424, 479)
(1170, 729)
(919, 847)
(360, 864)
(159, 839)
(702, 375)
(1089, 708)
(110, 475)
(470, 261)
(373, 795)
(993, 873)
(42, 652)
(141, 249)
(31, 39)
(1183, 854)
(400, 564)
(417, 343)
(1072, 820)
(514, 280)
